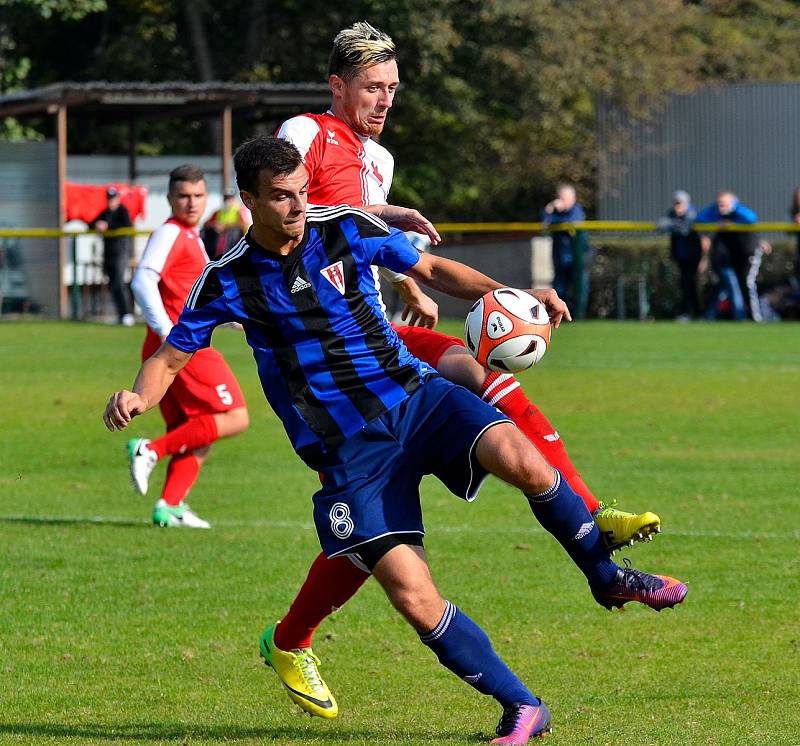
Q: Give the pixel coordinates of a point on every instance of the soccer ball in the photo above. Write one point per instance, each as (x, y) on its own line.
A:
(507, 330)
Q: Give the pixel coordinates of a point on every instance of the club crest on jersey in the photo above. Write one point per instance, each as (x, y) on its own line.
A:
(334, 274)
(376, 173)
(331, 138)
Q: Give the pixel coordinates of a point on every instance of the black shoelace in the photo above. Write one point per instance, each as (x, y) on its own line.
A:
(508, 720)
(637, 580)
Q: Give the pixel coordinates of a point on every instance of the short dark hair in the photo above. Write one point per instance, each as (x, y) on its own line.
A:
(187, 172)
(357, 47)
(271, 154)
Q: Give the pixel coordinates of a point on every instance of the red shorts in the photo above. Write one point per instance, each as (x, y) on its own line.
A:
(206, 385)
(426, 344)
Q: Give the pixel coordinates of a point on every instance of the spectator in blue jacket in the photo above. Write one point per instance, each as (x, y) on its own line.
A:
(685, 249)
(570, 249)
(735, 255)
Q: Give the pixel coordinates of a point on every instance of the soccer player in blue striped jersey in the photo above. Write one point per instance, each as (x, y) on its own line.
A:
(371, 418)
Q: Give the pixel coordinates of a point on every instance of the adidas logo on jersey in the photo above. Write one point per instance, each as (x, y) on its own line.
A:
(299, 284)
(331, 138)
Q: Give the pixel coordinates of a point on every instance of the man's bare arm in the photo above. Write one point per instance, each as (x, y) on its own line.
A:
(420, 309)
(461, 281)
(405, 219)
(451, 277)
(152, 382)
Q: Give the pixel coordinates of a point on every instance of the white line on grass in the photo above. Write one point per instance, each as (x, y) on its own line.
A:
(308, 526)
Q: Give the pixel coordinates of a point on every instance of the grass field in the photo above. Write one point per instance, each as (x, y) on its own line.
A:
(112, 631)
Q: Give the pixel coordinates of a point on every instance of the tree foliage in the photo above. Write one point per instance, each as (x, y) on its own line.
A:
(499, 98)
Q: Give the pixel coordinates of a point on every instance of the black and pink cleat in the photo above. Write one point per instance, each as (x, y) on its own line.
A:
(656, 591)
(519, 723)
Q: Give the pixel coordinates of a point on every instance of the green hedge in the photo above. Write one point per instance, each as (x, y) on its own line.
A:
(649, 257)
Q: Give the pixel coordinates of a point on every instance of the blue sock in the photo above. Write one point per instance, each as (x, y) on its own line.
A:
(566, 516)
(463, 647)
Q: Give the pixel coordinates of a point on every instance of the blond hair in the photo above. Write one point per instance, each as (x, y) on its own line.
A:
(359, 46)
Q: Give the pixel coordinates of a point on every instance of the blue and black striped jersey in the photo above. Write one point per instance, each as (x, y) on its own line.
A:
(328, 359)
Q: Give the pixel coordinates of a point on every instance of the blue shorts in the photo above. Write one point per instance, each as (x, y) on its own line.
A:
(372, 489)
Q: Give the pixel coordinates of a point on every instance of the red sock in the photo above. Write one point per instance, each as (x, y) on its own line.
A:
(329, 585)
(182, 473)
(504, 392)
(196, 433)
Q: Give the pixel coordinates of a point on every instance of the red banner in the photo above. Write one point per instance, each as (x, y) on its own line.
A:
(86, 201)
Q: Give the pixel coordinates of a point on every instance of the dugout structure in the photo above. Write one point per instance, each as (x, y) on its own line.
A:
(33, 174)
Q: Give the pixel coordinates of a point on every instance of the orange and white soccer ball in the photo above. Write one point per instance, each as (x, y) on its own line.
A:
(507, 330)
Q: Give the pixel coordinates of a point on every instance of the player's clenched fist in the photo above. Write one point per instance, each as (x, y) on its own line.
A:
(121, 408)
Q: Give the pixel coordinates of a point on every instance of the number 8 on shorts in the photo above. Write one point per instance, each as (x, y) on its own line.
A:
(341, 522)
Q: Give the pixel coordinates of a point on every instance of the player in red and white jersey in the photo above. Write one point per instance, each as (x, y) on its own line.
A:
(205, 401)
(346, 166)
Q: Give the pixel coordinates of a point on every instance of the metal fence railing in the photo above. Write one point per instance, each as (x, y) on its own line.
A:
(62, 278)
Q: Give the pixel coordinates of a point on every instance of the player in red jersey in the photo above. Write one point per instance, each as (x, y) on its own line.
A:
(205, 401)
(345, 165)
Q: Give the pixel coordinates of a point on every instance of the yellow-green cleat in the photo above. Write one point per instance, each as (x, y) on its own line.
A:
(299, 672)
(621, 529)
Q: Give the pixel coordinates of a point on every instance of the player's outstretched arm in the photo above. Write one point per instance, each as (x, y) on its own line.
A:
(152, 382)
(461, 281)
(451, 277)
(405, 219)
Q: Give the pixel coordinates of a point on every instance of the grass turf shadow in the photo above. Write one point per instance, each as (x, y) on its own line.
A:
(33, 520)
(160, 732)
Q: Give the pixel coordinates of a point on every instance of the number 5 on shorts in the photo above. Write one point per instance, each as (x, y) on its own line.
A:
(224, 395)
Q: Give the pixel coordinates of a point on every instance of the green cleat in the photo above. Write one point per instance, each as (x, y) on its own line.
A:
(621, 529)
(142, 462)
(298, 671)
(177, 516)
